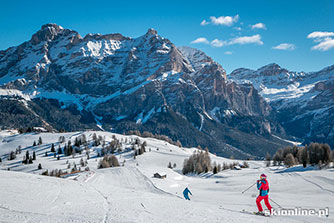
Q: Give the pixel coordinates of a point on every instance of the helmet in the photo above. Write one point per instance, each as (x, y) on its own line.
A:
(263, 176)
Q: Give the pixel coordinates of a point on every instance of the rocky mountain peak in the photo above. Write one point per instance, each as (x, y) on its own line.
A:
(151, 31)
(52, 26)
(46, 33)
(197, 58)
(271, 69)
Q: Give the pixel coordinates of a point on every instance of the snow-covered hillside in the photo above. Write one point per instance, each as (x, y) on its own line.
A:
(129, 193)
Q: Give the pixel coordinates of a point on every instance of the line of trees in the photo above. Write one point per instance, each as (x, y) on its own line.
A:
(199, 162)
(313, 154)
(54, 173)
(147, 134)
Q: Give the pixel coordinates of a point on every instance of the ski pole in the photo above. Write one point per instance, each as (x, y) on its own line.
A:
(275, 203)
(249, 188)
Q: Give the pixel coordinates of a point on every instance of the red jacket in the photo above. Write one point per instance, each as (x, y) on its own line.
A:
(263, 186)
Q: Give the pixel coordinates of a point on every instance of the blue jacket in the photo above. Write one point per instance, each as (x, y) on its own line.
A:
(263, 186)
(186, 191)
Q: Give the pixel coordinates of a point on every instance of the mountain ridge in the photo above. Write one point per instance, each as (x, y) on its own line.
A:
(304, 101)
(119, 83)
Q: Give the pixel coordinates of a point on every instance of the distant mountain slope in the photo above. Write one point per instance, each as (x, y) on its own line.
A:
(304, 101)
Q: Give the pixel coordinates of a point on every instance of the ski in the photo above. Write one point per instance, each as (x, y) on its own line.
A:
(254, 213)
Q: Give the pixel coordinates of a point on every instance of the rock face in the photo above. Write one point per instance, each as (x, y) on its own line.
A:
(60, 80)
(304, 101)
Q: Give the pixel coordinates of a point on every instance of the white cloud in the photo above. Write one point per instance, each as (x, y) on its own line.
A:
(259, 25)
(218, 43)
(324, 40)
(228, 53)
(256, 39)
(318, 34)
(224, 20)
(204, 23)
(237, 28)
(285, 46)
(324, 45)
(247, 40)
(200, 40)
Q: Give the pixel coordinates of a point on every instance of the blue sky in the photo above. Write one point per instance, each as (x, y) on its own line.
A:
(305, 28)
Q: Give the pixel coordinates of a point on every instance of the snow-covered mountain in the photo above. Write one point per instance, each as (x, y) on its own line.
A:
(304, 101)
(59, 79)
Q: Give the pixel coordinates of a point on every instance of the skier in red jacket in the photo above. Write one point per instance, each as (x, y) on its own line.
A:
(263, 186)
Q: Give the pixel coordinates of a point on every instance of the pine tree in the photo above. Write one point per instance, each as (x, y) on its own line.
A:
(59, 150)
(215, 169)
(34, 143)
(82, 163)
(39, 166)
(65, 150)
(52, 148)
(58, 157)
(46, 153)
(34, 155)
(94, 136)
(74, 169)
(12, 155)
(170, 165)
(27, 157)
(137, 141)
(69, 148)
(40, 142)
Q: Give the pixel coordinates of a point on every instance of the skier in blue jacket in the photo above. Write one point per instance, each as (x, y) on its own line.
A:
(186, 193)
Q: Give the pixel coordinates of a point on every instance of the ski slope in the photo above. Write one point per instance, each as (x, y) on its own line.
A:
(129, 193)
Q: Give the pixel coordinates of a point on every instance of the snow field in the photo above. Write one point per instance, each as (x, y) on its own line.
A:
(129, 193)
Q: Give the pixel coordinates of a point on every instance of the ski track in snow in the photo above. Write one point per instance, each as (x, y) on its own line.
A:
(57, 196)
(106, 205)
(314, 183)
